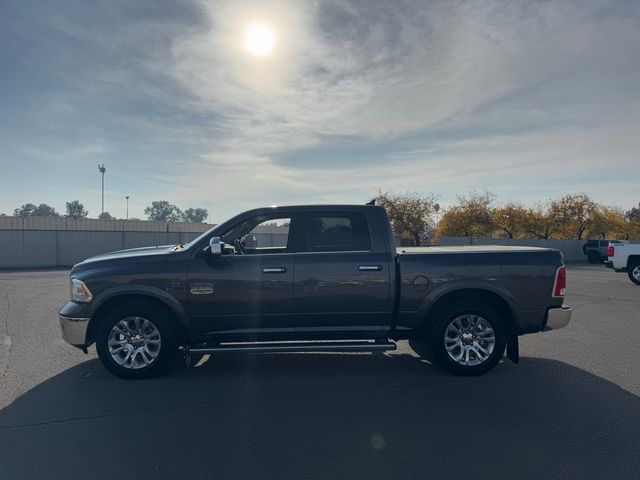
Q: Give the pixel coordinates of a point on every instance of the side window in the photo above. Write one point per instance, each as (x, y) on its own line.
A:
(269, 236)
(340, 232)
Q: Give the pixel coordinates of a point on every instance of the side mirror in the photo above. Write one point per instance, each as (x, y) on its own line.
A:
(215, 248)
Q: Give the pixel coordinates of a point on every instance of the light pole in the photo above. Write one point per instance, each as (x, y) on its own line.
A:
(102, 170)
(127, 197)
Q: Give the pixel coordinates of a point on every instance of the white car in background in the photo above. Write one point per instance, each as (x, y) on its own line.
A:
(625, 257)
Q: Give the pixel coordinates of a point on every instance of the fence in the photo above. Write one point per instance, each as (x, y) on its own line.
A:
(32, 242)
(571, 249)
(61, 242)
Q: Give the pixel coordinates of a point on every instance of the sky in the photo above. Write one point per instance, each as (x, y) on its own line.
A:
(339, 99)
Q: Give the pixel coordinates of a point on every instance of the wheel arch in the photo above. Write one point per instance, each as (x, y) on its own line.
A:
(499, 301)
(145, 294)
(632, 260)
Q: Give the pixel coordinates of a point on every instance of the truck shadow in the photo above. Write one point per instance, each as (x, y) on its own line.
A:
(324, 416)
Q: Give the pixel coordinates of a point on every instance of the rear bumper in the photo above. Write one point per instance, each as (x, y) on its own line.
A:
(74, 330)
(608, 263)
(557, 317)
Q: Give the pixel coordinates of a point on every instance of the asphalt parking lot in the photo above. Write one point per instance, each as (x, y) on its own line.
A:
(570, 409)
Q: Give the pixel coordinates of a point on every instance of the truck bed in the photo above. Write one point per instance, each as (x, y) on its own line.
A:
(470, 249)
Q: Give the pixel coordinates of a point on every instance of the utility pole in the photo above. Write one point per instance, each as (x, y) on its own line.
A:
(127, 197)
(102, 170)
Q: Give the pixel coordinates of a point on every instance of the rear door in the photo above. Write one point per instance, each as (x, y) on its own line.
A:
(341, 282)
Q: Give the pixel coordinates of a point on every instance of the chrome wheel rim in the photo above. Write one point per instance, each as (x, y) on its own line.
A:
(636, 272)
(134, 342)
(469, 340)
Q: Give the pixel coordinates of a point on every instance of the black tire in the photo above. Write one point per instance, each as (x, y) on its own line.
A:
(634, 275)
(447, 316)
(593, 257)
(160, 318)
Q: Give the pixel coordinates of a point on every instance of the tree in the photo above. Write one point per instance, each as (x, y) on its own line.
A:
(609, 222)
(105, 216)
(197, 215)
(31, 210)
(409, 213)
(576, 212)
(511, 219)
(540, 222)
(472, 216)
(163, 211)
(76, 210)
(633, 215)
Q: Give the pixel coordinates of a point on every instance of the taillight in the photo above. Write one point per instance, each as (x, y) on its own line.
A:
(560, 283)
(610, 251)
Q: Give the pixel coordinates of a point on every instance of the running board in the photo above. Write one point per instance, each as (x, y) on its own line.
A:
(294, 347)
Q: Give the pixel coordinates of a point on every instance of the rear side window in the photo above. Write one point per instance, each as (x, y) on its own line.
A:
(333, 233)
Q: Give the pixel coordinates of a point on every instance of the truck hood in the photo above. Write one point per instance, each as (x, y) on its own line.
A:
(131, 254)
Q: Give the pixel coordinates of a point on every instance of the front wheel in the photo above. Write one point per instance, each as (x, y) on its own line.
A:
(468, 339)
(634, 273)
(136, 340)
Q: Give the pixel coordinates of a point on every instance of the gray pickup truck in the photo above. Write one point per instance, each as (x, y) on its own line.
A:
(330, 280)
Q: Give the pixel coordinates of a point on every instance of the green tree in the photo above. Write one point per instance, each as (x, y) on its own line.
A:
(106, 216)
(409, 213)
(76, 210)
(163, 211)
(31, 210)
(197, 215)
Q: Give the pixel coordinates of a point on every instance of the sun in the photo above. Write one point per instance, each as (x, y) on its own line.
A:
(259, 39)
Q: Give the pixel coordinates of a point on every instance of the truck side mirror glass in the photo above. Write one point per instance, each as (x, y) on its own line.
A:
(215, 247)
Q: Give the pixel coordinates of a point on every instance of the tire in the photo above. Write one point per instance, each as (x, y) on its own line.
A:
(633, 270)
(480, 340)
(141, 327)
(593, 257)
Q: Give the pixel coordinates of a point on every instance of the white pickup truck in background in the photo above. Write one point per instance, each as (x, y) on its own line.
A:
(625, 257)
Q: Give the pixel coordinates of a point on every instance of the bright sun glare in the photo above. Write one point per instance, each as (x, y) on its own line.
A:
(259, 39)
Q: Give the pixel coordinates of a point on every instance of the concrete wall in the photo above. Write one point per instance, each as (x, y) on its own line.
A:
(36, 242)
(571, 249)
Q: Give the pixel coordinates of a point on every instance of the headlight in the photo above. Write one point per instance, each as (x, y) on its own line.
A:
(79, 291)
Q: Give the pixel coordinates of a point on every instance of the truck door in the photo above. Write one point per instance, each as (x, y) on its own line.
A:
(250, 287)
(341, 280)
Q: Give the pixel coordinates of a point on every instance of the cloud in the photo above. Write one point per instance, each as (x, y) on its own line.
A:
(527, 98)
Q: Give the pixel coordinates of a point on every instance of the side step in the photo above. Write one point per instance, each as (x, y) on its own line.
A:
(293, 347)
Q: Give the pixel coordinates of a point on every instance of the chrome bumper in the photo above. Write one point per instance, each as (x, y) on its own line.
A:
(558, 317)
(74, 330)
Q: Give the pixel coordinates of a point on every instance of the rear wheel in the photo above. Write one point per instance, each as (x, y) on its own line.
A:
(136, 340)
(633, 270)
(468, 338)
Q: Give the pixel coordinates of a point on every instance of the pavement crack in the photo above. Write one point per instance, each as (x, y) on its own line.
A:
(197, 404)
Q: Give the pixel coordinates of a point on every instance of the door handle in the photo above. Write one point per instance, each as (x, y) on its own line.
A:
(274, 270)
(370, 268)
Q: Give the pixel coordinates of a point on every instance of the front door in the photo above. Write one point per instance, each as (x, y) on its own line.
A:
(249, 288)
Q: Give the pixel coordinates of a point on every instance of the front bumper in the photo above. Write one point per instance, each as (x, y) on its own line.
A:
(557, 317)
(74, 330)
